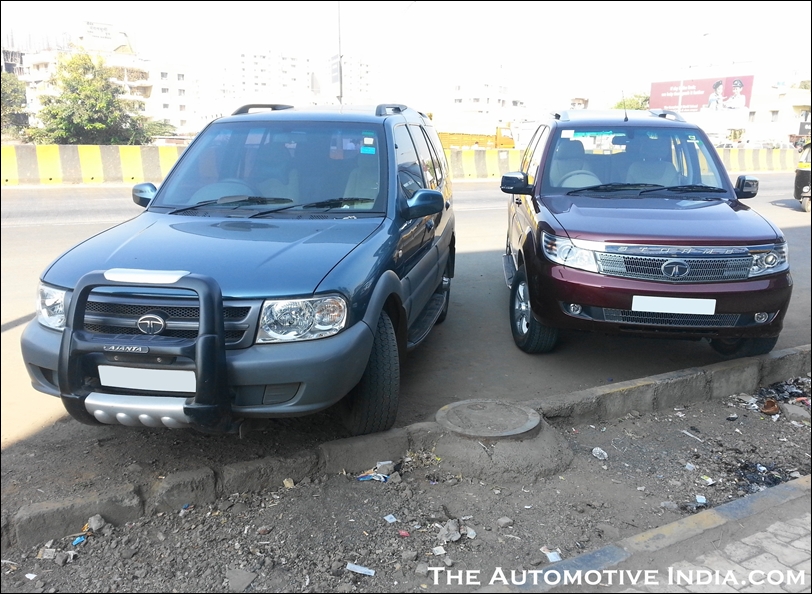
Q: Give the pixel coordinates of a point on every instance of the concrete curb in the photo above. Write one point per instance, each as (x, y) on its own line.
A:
(36, 523)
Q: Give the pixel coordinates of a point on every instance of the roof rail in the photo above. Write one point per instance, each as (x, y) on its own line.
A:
(667, 114)
(272, 106)
(389, 108)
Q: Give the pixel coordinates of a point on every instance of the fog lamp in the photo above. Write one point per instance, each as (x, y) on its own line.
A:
(574, 309)
(761, 317)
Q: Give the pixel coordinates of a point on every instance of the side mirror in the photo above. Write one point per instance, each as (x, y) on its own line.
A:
(516, 183)
(746, 187)
(423, 203)
(144, 193)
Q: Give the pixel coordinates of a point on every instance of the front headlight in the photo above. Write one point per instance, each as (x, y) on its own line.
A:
(564, 251)
(51, 306)
(287, 320)
(770, 261)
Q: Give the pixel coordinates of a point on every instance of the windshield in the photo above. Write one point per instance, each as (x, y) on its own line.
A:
(631, 159)
(258, 168)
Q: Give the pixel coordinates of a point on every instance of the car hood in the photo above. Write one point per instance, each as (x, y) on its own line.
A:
(656, 219)
(248, 258)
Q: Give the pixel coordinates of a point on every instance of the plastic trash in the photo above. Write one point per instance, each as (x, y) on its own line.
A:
(390, 518)
(600, 454)
(553, 555)
(360, 569)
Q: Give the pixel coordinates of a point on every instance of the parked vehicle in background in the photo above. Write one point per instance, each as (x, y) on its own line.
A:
(286, 264)
(802, 181)
(627, 223)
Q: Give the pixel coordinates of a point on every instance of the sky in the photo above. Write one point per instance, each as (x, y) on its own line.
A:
(545, 50)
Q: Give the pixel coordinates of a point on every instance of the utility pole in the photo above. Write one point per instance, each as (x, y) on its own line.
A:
(340, 60)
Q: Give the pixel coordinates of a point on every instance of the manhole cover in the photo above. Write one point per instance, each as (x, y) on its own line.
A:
(488, 418)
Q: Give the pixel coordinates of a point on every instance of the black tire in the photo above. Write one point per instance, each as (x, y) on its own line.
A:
(445, 288)
(805, 203)
(528, 333)
(733, 348)
(372, 405)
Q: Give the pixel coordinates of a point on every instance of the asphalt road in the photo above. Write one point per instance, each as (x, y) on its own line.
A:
(470, 355)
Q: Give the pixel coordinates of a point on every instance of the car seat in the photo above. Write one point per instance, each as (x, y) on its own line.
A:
(364, 181)
(654, 163)
(274, 172)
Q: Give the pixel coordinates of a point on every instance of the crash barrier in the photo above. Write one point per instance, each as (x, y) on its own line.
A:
(86, 164)
(83, 164)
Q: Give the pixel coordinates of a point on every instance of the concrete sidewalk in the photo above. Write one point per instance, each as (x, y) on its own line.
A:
(760, 538)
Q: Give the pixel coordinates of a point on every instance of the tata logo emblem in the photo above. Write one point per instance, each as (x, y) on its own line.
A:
(676, 269)
(118, 348)
(151, 323)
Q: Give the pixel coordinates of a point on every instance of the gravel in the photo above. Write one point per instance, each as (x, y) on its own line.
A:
(335, 533)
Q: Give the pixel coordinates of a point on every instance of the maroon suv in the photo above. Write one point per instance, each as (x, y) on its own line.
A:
(628, 223)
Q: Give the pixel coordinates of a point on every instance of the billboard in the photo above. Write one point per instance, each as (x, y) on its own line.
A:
(702, 94)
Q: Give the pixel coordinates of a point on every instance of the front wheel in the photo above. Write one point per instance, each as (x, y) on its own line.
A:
(805, 203)
(372, 405)
(733, 348)
(528, 333)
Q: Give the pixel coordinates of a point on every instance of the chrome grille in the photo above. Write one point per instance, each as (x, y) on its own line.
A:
(701, 269)
(626, 316)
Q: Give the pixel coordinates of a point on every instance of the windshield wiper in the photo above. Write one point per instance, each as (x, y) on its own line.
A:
(237, 200)
(689, 188)
(613, 187)
(337, 202)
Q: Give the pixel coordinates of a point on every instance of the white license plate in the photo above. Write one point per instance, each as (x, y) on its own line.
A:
(676, 305)
(159, 380)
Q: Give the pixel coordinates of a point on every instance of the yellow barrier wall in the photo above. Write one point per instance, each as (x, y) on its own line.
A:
(81, 164)
(84, 164)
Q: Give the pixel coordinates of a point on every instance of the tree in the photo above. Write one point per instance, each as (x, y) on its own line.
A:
(13, 103)
(638, 101)
(88, 108)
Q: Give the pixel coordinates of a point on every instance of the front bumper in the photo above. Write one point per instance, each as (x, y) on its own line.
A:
(261, 381)
(607, 305)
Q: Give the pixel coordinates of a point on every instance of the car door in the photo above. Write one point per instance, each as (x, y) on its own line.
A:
(521, 212)
(416, 263)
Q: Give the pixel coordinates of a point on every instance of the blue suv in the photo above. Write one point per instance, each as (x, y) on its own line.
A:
(285, 265)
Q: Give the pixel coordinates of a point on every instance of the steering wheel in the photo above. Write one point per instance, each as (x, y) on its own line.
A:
(239, 184)
(590, 178)
(226, 187)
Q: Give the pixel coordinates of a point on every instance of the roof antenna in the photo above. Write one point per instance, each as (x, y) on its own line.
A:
(625, 113)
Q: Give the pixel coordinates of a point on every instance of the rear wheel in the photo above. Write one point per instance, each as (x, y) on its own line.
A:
(528, 333)
(372, 405)
(805, 203)
(733, 348)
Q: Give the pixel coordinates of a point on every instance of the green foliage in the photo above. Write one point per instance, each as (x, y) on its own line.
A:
(805, 84)
(638, 101)
(13, 102)
(88, 108)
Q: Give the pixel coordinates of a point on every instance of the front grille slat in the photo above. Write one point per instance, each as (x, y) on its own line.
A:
(650, 268)
(626, 316)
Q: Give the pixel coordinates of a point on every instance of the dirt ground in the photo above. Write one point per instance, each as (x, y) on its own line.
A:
(336, 533)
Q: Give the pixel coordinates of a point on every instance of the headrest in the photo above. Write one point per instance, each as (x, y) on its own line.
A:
(569, 149)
